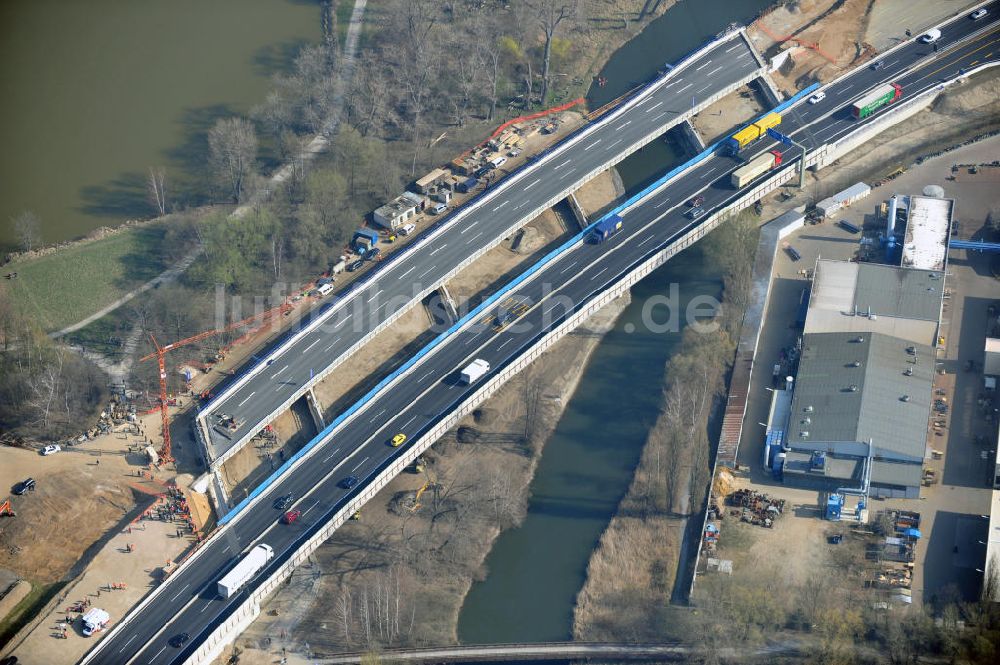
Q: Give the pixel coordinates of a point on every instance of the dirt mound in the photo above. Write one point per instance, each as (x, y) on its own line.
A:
(724, 483)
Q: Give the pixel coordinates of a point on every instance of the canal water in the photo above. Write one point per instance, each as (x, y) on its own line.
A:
(96, 92)
(535, 572)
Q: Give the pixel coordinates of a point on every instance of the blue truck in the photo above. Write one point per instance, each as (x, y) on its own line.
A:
(606, 228)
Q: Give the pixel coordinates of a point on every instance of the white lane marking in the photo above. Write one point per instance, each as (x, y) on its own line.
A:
(407, 423)
(360, 463)
(438, 249)
(334, 344)
(645, 241)
(342, 322)
(598, 274)
(734, 46)
(306, 511)
(250, 395)
(556, 168)
(505, 343)
(662, 203)
(567, 172)
(425, 376)
(592, 144)
(204, 608)
(408, 271)
(686, 87)
(311, 346)
(614, 144)
(332, 453)
(424, 273)
(890, 64)
(377, 416)
(180, 592)
(281, 370)
(521, 205)
(701, 90)
(567, 267)
(745, 54)
(227, 548)
(474, 237)
(705, 174)
(501, 205)
(713, 71)
(469, 227)
(627, 122)
(701, 67)
(661, 115)
(278, 389)
(640, 103)
(537, 180)
(654, 106)
(846, 88)
(130, 640)
(158, 653)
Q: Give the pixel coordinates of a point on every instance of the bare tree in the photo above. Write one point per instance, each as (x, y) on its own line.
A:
(550, 14)
(156, 186)
(232, 145)
(26, 227)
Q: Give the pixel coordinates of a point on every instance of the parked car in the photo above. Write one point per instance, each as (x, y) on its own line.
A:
(283, 502)
(373, 254)
(291, 516)
(483, 170)
(817, 98)
(179, 640)
(408, 229)
(439, 208)
(695, 213)
(355, 265)
(978, 14)
(696, 201)
(27, 485)
(51, 450)
(514, 152)
(398, 440)
(349, 482)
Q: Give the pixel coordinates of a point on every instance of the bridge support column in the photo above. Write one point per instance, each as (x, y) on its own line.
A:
(450, 308)
(217, 491)
(769, 90)
(691, 138)
(578, 214)
(315, 410)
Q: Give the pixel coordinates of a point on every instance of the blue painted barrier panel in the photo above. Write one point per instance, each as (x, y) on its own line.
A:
(486, 304)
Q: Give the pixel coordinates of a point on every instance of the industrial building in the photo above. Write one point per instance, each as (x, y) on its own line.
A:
(856, 413)
(397, 212)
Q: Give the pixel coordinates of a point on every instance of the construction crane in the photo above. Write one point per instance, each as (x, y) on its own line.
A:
(161, 352)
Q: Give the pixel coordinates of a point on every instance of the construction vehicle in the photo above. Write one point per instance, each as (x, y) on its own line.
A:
(606, 228)
(416, 499)
(751, 133)
(161, 352)
(94, 621)
(886, 94)
(6, 510)
(474, 371)
(248, 566)
(755, 167)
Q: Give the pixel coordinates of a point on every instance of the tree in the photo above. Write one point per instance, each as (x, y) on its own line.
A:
(550, 14)
(232, 145)
(26, 227)
(156, 186)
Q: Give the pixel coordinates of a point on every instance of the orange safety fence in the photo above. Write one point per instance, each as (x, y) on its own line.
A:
(780, 40)
(539, 114)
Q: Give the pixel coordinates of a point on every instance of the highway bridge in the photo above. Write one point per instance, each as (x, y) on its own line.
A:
(424, 400)
(287, 372)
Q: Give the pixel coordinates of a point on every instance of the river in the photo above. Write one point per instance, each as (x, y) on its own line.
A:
(96, 92)
(534, 572)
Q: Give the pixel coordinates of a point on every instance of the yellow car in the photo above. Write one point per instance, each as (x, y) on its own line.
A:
(398, 440)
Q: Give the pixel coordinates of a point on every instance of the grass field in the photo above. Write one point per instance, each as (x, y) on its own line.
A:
(61, 288)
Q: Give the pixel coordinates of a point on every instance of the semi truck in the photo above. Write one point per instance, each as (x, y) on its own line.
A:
(248, 566)
(606, 228)
(755, 167)
(751, 133)
(94, 621)
(474, 371)
(883, 95)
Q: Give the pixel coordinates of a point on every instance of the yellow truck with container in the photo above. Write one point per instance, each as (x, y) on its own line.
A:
(751, 133)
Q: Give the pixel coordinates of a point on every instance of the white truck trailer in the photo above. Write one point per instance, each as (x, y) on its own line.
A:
(249, 566)
(474, 371)
(94, 621)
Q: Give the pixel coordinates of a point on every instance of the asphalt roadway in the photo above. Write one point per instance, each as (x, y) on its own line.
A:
(360, 448)
(288, 369)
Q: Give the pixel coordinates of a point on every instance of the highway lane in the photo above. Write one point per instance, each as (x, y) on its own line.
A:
(399, 283)
(361, 446)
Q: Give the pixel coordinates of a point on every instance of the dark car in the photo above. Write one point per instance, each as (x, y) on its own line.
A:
(24, 486)
(349, 482)
(373, 254)
(877, 65)
(179, 640)
(355, 265)
(695, 213)
(483, 170)
(283, 502)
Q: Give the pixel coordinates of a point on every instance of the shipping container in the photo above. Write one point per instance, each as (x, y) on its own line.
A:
(752, 132)
(755, 167)
(606, 228)
(248, 566)
(883, 95)
(474, 371)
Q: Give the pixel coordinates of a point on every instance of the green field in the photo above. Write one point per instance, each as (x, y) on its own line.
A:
(66, 286)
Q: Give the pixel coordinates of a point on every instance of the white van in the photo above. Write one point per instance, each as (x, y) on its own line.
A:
(930, 36)
(498, 161)
(408, 229)
(94, 621)
(438, 208)
(324, 289)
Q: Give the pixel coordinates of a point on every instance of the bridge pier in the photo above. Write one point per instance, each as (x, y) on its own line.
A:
(315, 410)
(577, 210)
(769, 90)
(450, 308)
(691, 138)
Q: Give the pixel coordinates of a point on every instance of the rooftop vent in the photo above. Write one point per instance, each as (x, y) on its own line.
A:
(909, 371)
(808, 409)
(852, 388)
(856, 363)
(806, 421)
(904, 398)
(858, 340)
(804, 434)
